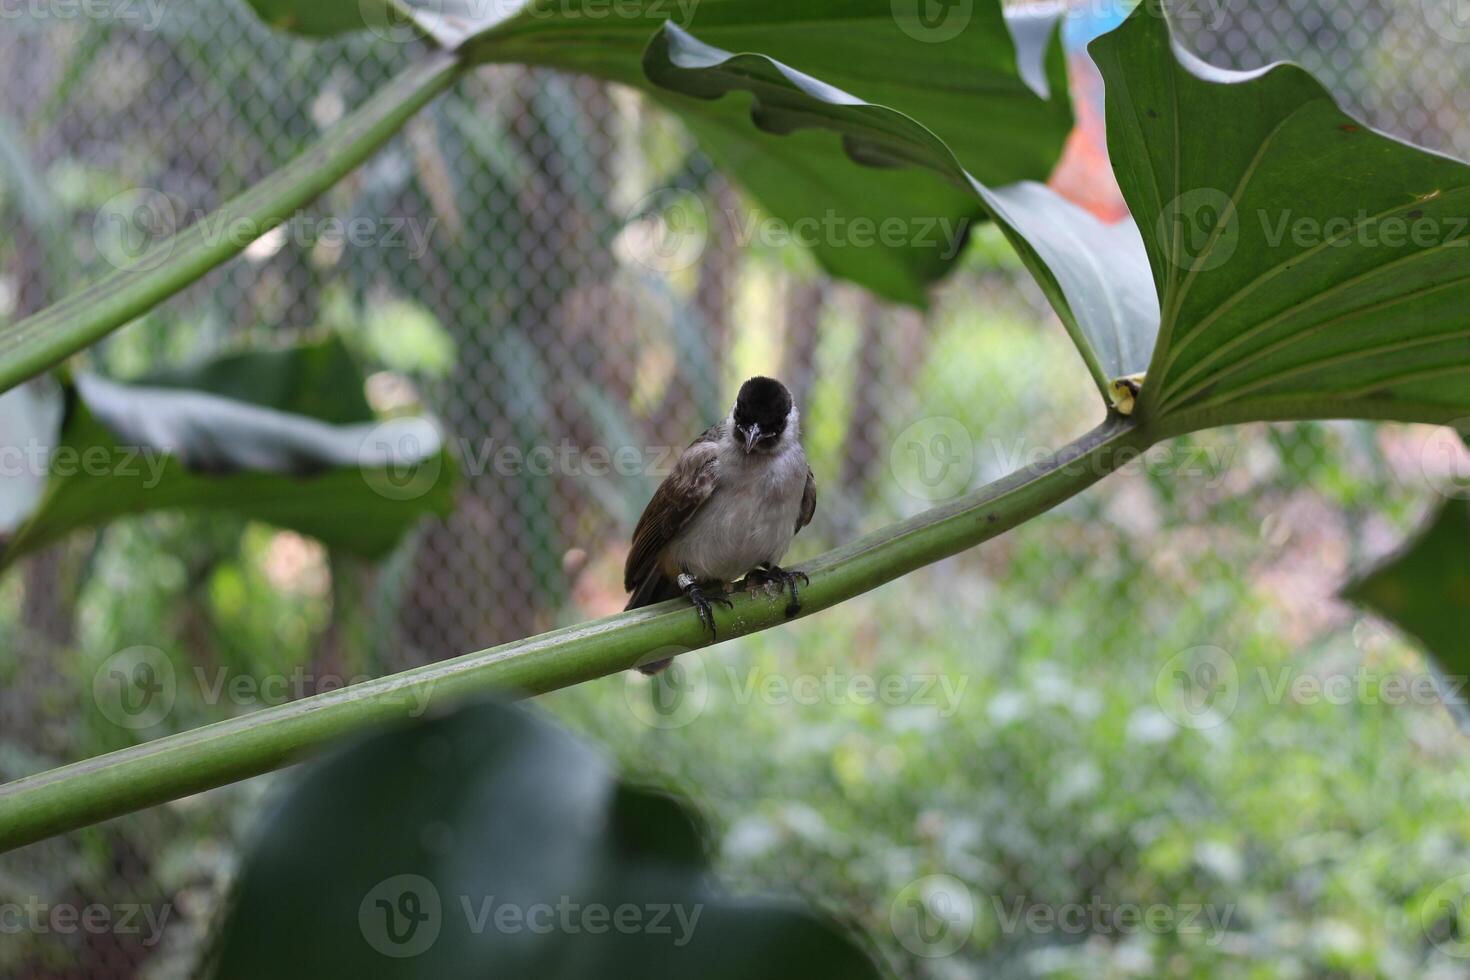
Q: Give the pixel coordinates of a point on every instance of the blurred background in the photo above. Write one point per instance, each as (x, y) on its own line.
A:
(1148, 699)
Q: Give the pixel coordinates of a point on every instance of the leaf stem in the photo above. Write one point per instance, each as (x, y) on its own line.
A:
(168, 768)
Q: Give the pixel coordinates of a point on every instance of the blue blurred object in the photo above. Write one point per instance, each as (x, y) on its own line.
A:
(1087, 19)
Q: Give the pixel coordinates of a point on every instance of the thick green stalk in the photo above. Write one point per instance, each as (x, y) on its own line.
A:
(179, 765)
(41, 342)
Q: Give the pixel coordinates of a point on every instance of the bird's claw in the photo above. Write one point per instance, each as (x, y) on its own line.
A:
(764, 575)
(702, 604)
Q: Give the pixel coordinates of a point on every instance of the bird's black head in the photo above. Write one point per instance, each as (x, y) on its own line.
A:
(760, 414)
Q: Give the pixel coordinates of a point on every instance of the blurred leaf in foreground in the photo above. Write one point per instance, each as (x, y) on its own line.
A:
(490, 843)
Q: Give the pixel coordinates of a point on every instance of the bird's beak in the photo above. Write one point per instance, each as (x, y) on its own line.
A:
(751, 435)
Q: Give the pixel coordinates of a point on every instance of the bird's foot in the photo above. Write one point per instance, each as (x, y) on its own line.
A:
(703, 601)
(764, 575)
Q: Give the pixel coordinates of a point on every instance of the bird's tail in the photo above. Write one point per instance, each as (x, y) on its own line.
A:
(654, 588)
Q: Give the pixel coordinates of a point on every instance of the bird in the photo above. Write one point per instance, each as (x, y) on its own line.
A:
(729, 508)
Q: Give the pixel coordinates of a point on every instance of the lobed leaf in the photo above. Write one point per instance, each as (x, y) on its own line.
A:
(1306, 266)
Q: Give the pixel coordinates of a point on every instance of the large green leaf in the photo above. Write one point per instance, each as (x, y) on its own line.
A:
(1425, 590)
(1075, 257)
(490, 843)
(973, 64)
(1307, 267)
(284, 437)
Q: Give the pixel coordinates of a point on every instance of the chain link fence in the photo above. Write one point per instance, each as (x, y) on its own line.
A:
(550, 267)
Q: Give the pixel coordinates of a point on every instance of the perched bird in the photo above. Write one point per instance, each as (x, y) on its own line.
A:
(735, 499)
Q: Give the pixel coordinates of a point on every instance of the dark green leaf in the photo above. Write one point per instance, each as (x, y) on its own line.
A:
(1425, 590)
(246, 439)
(490, 843)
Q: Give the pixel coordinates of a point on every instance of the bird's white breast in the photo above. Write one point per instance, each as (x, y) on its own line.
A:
(749, 518)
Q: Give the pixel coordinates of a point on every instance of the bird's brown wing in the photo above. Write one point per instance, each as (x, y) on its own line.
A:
(675, 501)
(808, 502)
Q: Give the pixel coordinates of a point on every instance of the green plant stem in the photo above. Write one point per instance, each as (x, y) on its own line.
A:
(42, 341)
(179, 765)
